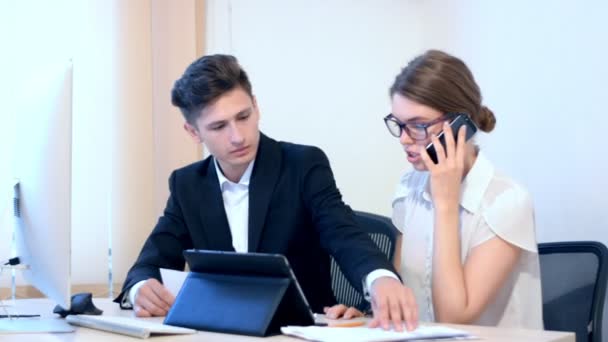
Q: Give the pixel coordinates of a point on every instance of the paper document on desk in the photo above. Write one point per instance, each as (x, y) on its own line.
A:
(173, 280)
(365, 334)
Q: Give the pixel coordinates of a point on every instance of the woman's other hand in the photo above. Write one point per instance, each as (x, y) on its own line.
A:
(341, 311)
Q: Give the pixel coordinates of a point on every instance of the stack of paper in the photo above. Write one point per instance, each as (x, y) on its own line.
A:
(365, 334)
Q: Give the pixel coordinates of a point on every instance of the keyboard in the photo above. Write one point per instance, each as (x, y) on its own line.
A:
(136, 327)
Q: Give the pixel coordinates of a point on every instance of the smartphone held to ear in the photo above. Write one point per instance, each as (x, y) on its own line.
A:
(460, 120)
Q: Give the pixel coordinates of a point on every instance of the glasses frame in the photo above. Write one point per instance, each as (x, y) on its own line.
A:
(423, 125)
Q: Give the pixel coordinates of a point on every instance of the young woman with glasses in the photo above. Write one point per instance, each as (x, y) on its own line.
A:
(468, 247)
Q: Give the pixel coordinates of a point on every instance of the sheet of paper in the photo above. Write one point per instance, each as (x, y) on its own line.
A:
(173, 279)
(365, 334)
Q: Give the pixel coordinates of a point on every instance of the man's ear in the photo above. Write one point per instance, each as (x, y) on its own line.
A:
(193, 132)
(255, 105)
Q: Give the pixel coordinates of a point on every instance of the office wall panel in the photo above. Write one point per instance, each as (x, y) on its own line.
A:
(175, 44)
(321, 69)
(321, 72)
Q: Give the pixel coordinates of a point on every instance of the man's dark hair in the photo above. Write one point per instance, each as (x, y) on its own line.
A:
(204, 81)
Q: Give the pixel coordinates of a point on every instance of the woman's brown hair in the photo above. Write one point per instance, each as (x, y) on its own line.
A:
(445, 83)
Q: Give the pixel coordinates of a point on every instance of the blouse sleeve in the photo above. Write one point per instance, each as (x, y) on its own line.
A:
(401, 193)
(399, 214)
(509, 216)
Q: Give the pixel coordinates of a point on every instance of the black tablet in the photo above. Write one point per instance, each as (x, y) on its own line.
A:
(243, 293)
(263, 264)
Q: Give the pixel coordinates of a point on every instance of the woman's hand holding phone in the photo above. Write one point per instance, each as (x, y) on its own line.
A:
(461, 119)
(446, 175)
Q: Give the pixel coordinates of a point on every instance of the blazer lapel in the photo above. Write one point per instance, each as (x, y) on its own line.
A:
(263, 180)
(213, 215)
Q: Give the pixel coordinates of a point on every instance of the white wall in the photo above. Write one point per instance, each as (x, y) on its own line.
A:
(126, 136)
(542, 68)
(31, 39)
(7, 138)
(321, 71)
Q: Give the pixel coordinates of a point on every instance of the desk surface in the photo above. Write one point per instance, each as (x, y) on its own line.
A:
(109, 308)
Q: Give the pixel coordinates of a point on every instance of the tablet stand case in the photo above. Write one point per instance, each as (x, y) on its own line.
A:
(237, 304)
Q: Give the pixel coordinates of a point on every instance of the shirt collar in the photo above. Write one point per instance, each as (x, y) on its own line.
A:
(473, 186)
(476, 183)
(245, 178)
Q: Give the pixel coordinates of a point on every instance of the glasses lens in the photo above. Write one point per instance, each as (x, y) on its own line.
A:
(393, 128)
(416, 133)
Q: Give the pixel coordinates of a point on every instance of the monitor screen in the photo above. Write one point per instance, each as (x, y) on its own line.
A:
(43, 165)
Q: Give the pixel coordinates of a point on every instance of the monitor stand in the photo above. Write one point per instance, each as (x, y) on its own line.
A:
(19, 323)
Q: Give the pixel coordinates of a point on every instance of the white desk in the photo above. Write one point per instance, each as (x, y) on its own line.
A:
(109, 308)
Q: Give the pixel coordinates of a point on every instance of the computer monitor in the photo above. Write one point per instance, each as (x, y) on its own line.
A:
(43, 173)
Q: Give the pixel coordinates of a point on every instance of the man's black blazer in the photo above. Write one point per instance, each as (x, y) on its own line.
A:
(295, 209)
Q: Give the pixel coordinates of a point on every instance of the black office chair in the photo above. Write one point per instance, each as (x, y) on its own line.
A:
(383, 233)
(573, 278)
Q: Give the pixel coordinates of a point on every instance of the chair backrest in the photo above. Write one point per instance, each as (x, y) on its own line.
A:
(383, 233)
(573, 278)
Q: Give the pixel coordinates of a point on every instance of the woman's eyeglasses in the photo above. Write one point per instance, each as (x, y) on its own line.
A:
(416, 131)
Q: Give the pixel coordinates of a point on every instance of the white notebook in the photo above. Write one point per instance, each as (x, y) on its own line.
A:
(360, 334)
(131, 326)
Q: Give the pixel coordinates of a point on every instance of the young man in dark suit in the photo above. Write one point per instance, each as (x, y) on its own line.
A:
(254, 194)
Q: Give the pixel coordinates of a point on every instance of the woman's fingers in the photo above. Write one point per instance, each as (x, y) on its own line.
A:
(460, 145)
(336, 311)
(450, 144)
(352, 313)
(439, 149)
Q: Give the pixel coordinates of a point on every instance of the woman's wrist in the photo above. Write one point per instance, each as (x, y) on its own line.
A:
(446, 215)
(445, 207)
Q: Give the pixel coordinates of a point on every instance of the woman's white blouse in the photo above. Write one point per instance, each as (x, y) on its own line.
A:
(491, 205)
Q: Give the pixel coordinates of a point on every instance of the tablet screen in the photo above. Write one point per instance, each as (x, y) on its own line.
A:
(254, 264)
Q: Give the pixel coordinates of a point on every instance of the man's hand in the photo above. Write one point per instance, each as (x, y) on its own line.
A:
(152, 299)
(393, 303)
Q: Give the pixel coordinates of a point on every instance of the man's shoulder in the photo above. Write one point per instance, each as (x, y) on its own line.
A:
(195, 168)
(287, 150)
(299, 152)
